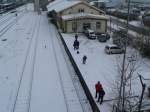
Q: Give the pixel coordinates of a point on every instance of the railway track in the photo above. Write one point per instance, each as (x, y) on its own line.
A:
(86, 107)
(5, 19)
(78, 90)
(28, 62)
(9, 25)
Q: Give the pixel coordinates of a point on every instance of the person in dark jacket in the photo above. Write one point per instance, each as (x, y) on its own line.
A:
(98, 87)
(76, 45)
(101, 95)
(84, 59)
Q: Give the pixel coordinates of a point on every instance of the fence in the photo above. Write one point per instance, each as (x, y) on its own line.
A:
(82, 81)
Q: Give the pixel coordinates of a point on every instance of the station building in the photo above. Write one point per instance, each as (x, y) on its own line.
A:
(76, 16)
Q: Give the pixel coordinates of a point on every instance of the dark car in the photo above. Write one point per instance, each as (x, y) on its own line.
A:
(103, 37)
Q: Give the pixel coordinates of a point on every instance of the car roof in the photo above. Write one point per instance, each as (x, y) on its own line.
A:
(103, 34)
(112, 45)
(90, 30)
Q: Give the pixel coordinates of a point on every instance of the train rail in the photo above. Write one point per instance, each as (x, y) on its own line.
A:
(5, 19)
(28, 70)
(32, 45)
(9, 24)
(77, 87)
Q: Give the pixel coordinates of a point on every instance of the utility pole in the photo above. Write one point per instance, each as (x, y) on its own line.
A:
(121, 101)
(142, 94)
(37, 6)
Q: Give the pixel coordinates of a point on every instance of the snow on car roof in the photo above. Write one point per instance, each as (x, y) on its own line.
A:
(60, 5)
(90, 30)
(112, 45)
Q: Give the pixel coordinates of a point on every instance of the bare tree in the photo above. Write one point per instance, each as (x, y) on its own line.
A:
(132, 64)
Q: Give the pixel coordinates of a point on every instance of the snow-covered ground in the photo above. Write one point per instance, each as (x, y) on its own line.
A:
(136, 23)
(117, 27)
(35, 74)
(103, 67)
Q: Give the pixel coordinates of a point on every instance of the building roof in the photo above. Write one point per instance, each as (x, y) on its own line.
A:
(83, 15)
(59, 5)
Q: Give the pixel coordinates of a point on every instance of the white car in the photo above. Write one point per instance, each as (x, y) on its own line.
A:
(113, 49)
(90, 34)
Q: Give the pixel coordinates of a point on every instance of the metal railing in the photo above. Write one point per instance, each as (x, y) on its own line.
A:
(82, 81)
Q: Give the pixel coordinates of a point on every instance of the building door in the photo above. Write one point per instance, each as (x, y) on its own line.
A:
(86, 26)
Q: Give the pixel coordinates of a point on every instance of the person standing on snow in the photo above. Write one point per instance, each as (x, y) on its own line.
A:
(101, 95)
(76, 45)
(98, 88)
(84, 59)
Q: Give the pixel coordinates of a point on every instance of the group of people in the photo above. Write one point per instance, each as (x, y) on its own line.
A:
(76, 47)
(99, 92)
(98, 86)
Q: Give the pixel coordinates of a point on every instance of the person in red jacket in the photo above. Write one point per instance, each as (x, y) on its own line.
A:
(98, 88)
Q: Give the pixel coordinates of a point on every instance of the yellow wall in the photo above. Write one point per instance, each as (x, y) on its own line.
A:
(93, 25)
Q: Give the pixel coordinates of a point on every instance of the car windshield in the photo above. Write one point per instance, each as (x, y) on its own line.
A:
(115, 48)
(107, 47)
(91, 32)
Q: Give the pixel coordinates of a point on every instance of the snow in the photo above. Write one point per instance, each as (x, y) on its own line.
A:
(46, 83)
(117, 28)
(83, 15)
(60, 5)
(102, 67)
(136, 23)
(35, 74)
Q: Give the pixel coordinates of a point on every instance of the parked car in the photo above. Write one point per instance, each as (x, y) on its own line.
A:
(113, 49)
(101, 38)
(103, 35)
(90, 34)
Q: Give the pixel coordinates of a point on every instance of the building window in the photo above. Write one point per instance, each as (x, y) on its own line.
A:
(81, 10)
(98, 25)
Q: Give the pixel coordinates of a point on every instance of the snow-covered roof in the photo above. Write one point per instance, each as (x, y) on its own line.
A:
(59, 5)
(101, 1)
(83, 15)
